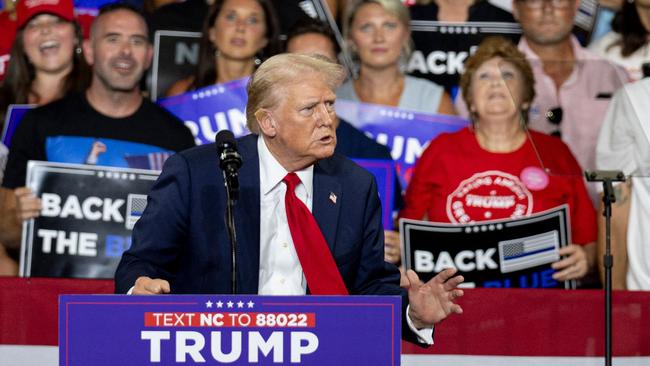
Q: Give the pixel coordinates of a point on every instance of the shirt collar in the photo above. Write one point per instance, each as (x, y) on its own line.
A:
(578, 50)
(272, 172)
(579, 53)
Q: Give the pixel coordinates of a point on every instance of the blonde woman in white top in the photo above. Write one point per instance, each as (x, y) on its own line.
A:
(379, 38)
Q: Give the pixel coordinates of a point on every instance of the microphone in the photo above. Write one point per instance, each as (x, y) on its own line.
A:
(229, 161)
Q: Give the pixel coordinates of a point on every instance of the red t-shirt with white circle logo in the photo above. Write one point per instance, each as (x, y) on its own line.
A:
(457, 181)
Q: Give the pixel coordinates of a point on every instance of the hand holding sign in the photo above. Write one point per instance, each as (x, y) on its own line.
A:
(27, 204)
(433, 302)
(574, 266)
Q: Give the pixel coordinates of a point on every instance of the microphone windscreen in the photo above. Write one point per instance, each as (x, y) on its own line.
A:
(225, 138)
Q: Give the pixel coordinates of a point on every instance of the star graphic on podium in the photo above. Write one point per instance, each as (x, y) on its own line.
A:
(208, 304)
(251, 304)
(229, 303)
(219, 304)
(240, 304)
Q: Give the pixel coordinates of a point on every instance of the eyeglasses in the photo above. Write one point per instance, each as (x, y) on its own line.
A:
(554, 116)
(538, 4)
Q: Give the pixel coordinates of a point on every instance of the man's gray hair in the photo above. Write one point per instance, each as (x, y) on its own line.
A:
(267, 84)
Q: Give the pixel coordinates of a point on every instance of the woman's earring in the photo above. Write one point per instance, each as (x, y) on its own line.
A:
(259, 56)
(473, 116)
(523, 116)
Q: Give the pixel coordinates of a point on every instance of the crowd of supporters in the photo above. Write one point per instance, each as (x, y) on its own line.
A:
(543, 104)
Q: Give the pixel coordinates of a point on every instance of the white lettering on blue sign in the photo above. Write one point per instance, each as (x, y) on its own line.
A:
(410, 151)
(205, 128)
(190, 344)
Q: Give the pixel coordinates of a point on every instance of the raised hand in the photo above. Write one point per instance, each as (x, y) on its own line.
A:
(432, 302)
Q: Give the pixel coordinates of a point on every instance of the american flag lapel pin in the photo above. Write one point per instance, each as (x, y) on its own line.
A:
(333, 197)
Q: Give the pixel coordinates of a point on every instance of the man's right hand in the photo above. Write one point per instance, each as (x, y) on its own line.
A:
(150, 286)
(27, 204)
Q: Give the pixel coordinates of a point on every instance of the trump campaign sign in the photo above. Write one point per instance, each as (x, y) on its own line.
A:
(406, 133)
(209, 110)
(86, 219)
(239, 330)
(498, 253)
(175, 55)
(384, 173)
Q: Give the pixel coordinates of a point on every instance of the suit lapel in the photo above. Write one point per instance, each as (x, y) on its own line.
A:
(247, 213)
(326, 203)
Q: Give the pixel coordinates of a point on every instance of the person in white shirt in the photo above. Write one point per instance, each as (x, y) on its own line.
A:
(624, 144)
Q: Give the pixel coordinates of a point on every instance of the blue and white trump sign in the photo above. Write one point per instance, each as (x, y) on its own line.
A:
(103, 330)
(406, 133)
(209, 110)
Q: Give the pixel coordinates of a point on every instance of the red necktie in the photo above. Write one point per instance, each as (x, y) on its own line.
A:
(321, 272)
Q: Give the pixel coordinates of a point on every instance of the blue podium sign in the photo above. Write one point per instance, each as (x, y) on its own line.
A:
(239, 330)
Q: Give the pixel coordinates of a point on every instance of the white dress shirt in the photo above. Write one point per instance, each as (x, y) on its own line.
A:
(280, 269)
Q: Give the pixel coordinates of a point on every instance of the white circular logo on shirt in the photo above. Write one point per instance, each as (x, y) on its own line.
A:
(489, 195)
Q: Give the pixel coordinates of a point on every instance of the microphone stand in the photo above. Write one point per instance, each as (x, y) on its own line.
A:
(231, 181)
(607, 177)
(229, 162)
(232, 194)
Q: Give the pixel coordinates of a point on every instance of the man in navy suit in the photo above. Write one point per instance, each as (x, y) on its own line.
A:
(181, 244)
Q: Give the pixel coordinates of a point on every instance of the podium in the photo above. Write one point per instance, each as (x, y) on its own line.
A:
(234, 329)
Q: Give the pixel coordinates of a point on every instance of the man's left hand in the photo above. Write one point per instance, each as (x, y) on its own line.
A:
(432, 302)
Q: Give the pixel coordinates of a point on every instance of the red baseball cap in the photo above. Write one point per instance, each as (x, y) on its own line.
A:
(27, 9)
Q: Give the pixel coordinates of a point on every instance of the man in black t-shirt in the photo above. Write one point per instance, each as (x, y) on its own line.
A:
(101, 126)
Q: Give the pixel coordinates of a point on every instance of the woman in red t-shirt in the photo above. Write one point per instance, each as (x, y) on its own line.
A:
(499, 169)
